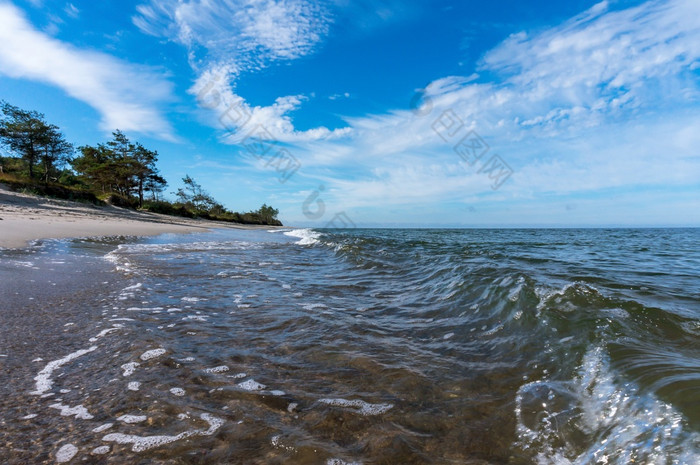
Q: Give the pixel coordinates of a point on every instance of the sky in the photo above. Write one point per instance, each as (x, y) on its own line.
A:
(384, 113)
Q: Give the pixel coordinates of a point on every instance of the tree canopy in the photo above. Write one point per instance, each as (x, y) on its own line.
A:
(120, 166)
(28, 135)
(119, 170)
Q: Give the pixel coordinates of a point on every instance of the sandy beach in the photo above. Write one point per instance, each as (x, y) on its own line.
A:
(24, 218)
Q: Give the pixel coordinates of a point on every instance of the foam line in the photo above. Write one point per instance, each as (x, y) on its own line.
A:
(43, 378)
(143, 443)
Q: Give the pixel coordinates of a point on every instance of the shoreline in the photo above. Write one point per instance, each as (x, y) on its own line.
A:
(25, 218)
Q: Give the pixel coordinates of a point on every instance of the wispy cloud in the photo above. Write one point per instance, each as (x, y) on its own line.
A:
(247, 33)
(238, 118)
(606, 100)
(339, 96)
(128, 96)
(71, 10)
(227, 38)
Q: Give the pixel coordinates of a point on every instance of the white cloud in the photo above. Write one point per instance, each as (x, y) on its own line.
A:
(239, 118)
(596, 68)
(339, 96)
(230, 37)
(247, 33)
(606, 101)
(126, 95)
(71, 10)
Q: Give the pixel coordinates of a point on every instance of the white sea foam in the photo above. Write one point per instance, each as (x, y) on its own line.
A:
(631, 427)
(66, 453)
(104, 332)
(306, 236)
(309, 306)
(179, 392)
(133, 386)
(142, 443)
(545, 295)
(100, 450)
(154, 353)
(101, 428)
(78, 411)
(29, 417)
(251, 385)
(362, 407)
(132, 418)
(129, 368)
(219, 369)
(275, 441)
(43, 378)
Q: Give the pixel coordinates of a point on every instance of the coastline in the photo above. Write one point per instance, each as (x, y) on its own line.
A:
(24, 218)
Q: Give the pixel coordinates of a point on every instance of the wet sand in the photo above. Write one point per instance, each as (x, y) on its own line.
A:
(24, 218)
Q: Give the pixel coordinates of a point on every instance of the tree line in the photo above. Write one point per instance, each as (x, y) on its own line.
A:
(119, 171)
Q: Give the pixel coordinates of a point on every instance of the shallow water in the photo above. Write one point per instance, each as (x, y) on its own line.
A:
(362, 346)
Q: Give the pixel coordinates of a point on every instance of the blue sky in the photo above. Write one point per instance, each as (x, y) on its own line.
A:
(388, 112)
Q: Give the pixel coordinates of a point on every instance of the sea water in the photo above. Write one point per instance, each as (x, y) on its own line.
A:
(560, 346)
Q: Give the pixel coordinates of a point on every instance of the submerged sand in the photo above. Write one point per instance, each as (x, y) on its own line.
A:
(24, 218)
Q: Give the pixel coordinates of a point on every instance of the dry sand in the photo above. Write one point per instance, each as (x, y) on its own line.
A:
(24, 218)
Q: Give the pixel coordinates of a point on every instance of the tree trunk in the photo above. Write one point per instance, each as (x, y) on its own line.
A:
(140, 193)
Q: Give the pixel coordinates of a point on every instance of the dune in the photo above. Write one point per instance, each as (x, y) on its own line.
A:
(24, 218)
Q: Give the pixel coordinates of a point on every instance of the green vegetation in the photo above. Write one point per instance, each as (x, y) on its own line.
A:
(118, 172)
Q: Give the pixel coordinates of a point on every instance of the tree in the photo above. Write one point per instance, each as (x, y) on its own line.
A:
(56, 151)
(24, 132)
(155, 184)
(121, 166)
(268, 214)
(194, 196)
(96, 167)
(144, 169)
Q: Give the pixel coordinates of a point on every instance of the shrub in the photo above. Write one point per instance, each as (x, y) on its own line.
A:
(117, 200)
(49, 190)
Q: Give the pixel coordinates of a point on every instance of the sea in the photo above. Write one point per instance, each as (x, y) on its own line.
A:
(362, 346)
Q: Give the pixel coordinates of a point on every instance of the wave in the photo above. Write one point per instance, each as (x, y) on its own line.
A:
(306, 236)
(594, 418)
